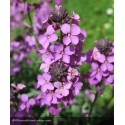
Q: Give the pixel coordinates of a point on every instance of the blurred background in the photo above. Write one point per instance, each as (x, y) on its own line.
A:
(97, 18)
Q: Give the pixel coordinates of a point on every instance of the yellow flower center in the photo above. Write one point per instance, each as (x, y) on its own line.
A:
(72, 74)
(95, 54)
(62, 52)
(47, 82)
(69, 34)
(61, 87)
(48, 37)
(99, 69)
(47, 53)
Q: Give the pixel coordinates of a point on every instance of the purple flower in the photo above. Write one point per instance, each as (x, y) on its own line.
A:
(96, 55)
(48, 37)
(17, 11)
(14, 45)
(53, 109)
(71, 33)
(77, 58)
(107, 65)
(26, 103)
(63, 53)
(96, 74)
(90, 94)
(14, 69)
(58, 2)
(43, 99)
(72, 73)
(109, 79)
(82, 35)
(45, 66)
(44, 81)
(60, 82)
(41, 17)
(53, 96)
(62, 88)
(18, 87)
(47, 55)
(75, 17)
(77, 86)
(30, 40)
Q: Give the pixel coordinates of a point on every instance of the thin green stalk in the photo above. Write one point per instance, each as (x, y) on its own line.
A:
(91, 109)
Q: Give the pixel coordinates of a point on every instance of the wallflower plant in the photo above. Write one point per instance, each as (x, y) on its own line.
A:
(60, 40)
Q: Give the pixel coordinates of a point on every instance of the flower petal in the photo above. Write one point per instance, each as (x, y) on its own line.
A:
(69, 50)
(94, 66)
(54, 100)
(50, 30)
(67, 86)
(58, 48)
(44, 88)
(48, 99)
(31, 101)
(65, 28)
(102, 58)
(54, 110)
(42, 39)
(93, 81)
(75, 40)
(46, 76)
(93, 73)
(65, 92)
(66, 58)
(66, 40)
(75, 30)
(76, 91)
(104, 67)
(58, 56)
(45, 44)
(53, 38)
(50, 86)
(57, 84)
(24, 98)
(110, 67)
(110, 59)
(99, 76)
(22, 106)
(110, 79)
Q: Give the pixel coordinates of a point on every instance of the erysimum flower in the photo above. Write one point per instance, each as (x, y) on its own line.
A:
(44, 81)
(26, 103)
(48, 37)
(96, 55)
(63, 53)
(102, 62)
(62, 88)
(107, 65)
(71, 33)
(60, 81)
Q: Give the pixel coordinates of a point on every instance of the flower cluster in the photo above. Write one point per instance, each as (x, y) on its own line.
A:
(18, 10)
(60, 39)
(102, 62)
(23, 109)
(20, 48)
(60, 54)
(41, 16)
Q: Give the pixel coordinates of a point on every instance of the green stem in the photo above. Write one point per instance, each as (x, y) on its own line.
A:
(91, 109)
(30, 20)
